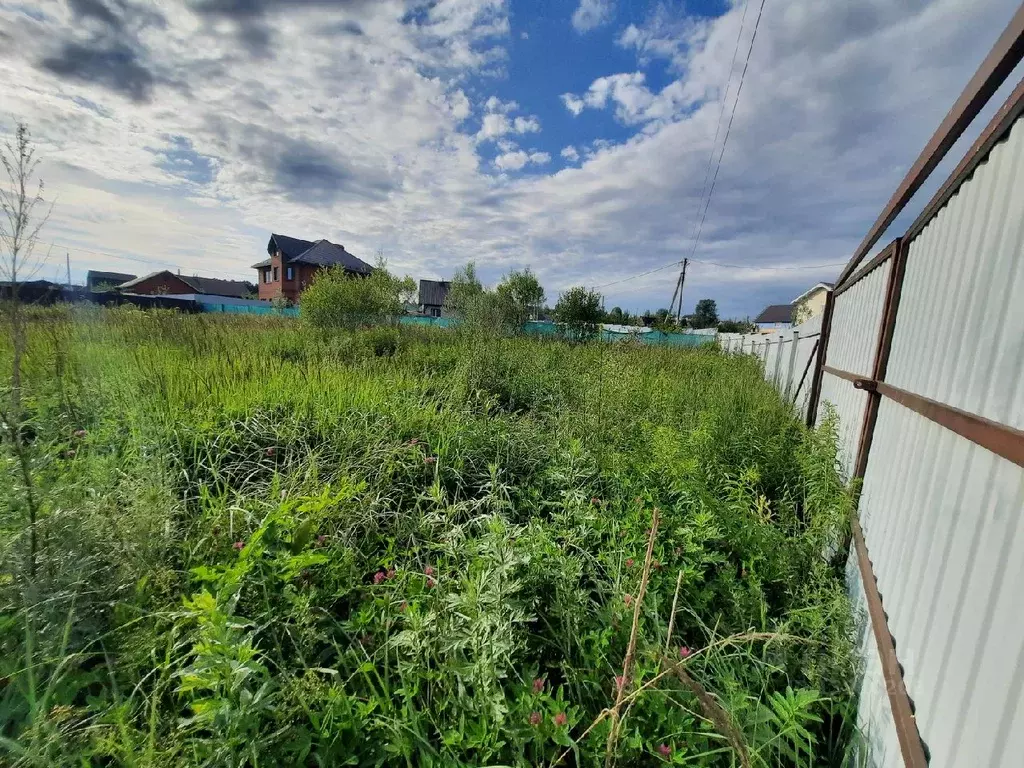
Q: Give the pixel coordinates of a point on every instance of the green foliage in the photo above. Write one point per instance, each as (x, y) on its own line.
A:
(400, 546)
(705, 315)
(579, 311)
(736, 326)
(499, 312)
(523, 293)
(337, 300)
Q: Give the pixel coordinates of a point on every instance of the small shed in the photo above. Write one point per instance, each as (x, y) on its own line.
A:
(432, 296)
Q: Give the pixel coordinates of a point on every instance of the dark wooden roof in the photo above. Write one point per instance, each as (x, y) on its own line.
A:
(434, 292)
(324, 253)
(776, 313)
(96, 277)
(290, 247)
(212, 286)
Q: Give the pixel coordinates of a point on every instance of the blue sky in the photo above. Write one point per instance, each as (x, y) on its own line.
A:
(571, 136)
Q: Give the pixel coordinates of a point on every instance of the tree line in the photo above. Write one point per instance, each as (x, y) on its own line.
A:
(338, 300)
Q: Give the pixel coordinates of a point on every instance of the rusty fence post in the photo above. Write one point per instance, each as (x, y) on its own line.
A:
(826, 329)
(883, 346)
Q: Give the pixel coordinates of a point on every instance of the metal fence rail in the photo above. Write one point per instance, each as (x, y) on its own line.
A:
(921, 354)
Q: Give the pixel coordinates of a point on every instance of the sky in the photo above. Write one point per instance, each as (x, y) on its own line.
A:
(576, 137)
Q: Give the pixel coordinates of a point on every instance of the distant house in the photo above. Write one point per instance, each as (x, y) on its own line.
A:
(777, 317)
(294, 262)
(99, 281)
(811, 302)
(432, 296)
(167, 282)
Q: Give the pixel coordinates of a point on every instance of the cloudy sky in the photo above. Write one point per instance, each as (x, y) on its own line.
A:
(572, 136)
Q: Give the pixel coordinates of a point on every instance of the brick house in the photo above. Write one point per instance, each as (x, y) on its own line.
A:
(167, 282)
(293, 263)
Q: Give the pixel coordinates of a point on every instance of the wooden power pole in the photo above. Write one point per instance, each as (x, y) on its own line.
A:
(675, 306)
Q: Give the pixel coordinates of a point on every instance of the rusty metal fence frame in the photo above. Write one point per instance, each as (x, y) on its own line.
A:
(1001, 439)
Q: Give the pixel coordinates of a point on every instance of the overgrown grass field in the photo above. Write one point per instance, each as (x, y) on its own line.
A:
(257, 545)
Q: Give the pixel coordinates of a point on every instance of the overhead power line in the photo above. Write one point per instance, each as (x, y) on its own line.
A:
(728, 130)
(136, 259)
(721, 114)
(800, 268)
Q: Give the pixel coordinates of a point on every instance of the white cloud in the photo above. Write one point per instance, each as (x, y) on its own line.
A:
(494, 104)
(356, 125)
(570, 154)
(634, 102)
(496, 123)
(591, 14)
(573, 103)
(517, 160)
(526, 125)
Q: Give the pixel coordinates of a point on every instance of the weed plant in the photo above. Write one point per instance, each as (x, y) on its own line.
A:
(261, 546)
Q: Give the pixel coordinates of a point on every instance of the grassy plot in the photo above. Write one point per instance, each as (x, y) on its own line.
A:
(257, 545)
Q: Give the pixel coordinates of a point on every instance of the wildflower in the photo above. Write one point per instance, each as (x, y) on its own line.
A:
(678, 551)
(622, 533)
(538, 684)
(629, 562)
(429, 570)
(430, 583)
(665, 750)
(414, 441)
(239, 545)
(628, 600)
(594, 500)
(620, 681)
(684, 652)
(70, 453)
(535, 718)
(378, 577)
(80, 433)
(637, 499)
(403, 607)
(390, 574)
(657, 565)
(430, 460)
(560, 719)
(270, 451)
(321, 539)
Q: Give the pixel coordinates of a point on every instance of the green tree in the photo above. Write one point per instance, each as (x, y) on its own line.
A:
(479, 310)
(337, 300)
(579, 311)
(736, 326)
(616, 316)
(522, 292)
(464, 292)
(705, 315)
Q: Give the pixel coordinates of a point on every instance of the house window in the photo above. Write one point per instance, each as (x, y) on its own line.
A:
(266, 275)
(276, 273)
(289, 273)
(435, 311)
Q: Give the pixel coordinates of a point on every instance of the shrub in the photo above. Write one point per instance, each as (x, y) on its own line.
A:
(579, 311)
(337, 300)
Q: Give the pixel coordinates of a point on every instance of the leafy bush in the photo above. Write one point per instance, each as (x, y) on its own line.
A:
(259, 547)
(579, 311)
(480, 311)
(338, 300)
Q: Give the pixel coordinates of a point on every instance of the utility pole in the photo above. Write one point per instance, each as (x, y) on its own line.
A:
(679, 289)
(67, 262)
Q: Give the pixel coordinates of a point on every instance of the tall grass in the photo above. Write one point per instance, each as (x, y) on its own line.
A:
(259, 545)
